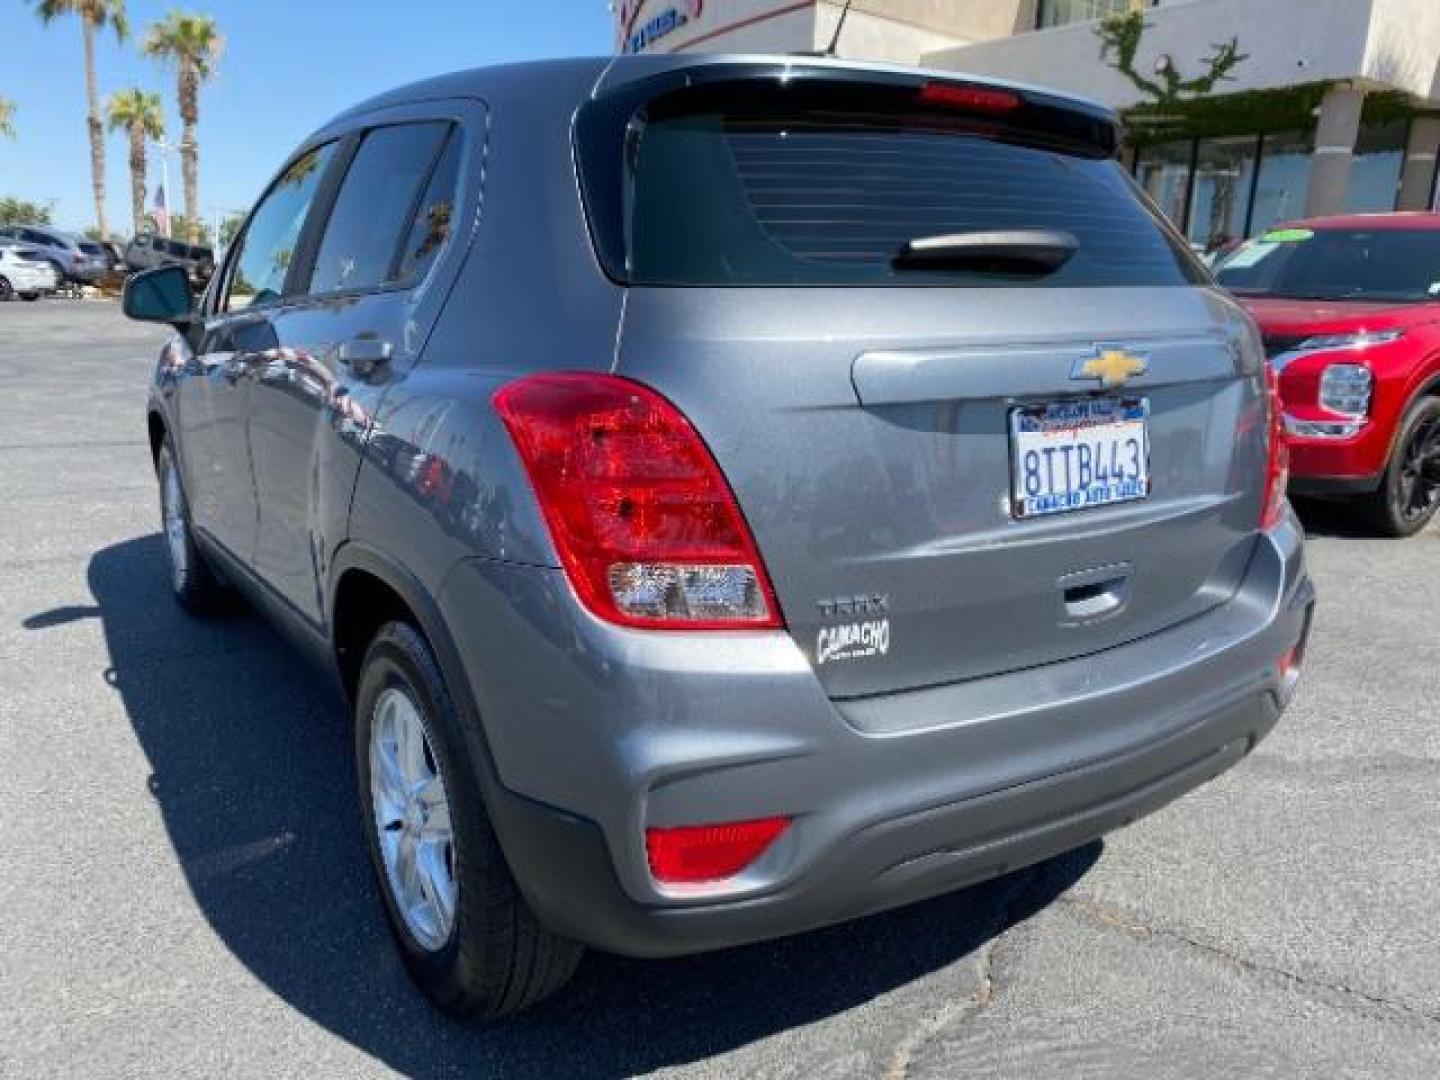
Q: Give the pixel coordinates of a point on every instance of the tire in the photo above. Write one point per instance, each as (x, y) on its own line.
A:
(491, 957)
(1409, 492)
(30, 296)
(6, 291)
(193, 583)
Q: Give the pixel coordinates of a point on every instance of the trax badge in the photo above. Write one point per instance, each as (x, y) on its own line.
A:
(1114, 367)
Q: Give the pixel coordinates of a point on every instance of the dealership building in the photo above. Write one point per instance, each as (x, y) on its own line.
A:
(1335, 106)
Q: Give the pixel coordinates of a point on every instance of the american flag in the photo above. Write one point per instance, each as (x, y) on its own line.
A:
(161, 212)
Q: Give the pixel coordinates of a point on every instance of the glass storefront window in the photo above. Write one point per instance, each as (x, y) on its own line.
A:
(1163, 170)
(1224, 173)
(1060, 12)
(1375, 170)
(1282, 180)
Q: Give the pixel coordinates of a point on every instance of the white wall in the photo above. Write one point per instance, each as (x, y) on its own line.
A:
(1391, 42)
(900, 31)
(744, 25)
(1404, 46)
(874, 37)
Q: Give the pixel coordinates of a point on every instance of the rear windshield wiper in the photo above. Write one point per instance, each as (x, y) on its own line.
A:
(1010, 251)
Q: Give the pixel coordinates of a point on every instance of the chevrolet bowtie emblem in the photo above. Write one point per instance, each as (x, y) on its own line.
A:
(1113, 367)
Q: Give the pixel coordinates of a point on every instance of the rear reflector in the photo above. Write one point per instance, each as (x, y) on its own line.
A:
(643, 521)
(970, 98)
(694, 854)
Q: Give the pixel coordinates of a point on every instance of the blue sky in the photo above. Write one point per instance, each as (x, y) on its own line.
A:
(287, 67)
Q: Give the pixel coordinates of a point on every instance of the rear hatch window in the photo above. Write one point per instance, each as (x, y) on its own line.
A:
(827, 187)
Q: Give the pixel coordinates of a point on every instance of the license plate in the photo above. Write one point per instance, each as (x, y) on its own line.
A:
(1078, 454)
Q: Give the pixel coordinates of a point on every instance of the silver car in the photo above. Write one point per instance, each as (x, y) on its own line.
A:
(733, 495)
(60, 249)
(24, 273)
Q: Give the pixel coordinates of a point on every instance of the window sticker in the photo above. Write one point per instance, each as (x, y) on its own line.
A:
(1249, 254)
(1286, 236)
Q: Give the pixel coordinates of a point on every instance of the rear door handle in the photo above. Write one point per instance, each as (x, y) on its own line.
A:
(365, 355)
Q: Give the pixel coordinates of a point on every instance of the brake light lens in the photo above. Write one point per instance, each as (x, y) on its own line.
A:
(970, 98)
(698, 854)
(646, 527)
(1277, 465)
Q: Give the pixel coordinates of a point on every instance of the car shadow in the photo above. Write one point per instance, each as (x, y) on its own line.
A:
(250, 763)
(1331, 518)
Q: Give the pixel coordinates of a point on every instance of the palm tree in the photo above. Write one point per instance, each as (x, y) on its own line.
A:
(192, 43)
(94, 15)
(7, 118)
(142, 116)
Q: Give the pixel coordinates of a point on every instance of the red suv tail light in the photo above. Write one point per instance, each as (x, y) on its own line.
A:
(1277, 466)
(645, 525)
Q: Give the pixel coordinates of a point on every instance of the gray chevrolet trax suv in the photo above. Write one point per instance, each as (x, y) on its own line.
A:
(733, 494)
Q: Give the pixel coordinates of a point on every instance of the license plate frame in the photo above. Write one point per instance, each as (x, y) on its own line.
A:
(1121, 476)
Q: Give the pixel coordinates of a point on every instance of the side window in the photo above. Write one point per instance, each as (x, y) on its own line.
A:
(265, 251)
(374, 207)
(435, 218)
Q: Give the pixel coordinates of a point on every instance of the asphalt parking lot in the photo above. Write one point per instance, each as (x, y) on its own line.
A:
(185, 891)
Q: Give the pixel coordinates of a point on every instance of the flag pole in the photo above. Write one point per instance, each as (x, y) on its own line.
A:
(164, 148)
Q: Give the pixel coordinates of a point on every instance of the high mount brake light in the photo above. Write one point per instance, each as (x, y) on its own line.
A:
(1277, 457)
(970, 98)
(646, 527)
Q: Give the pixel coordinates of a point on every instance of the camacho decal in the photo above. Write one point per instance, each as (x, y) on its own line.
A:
(853, 640)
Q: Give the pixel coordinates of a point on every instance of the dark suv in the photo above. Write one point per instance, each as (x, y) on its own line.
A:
(733, 495)
(148, 251)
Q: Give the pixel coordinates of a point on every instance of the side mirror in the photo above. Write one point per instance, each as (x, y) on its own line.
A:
(161, 295)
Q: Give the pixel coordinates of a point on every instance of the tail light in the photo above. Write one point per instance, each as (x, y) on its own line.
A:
(1277, 463)
(645, 525)
(695, 854)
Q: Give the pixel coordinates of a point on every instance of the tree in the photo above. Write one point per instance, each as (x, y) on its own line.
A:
(23, 212)
(94, 15)
(142, 117)
(191, 43)
(230, 228)
(7, 118)
(1120, 35)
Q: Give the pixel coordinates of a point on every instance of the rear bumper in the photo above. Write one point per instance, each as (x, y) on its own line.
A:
(596, 733)
(31, 283)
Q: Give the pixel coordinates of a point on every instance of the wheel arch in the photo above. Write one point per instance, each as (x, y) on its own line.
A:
(369, 588)
(1427, 385)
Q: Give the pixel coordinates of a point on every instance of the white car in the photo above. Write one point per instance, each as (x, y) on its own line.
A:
(24, 273)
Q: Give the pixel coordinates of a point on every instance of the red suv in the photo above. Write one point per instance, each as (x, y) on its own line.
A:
(1350, 311)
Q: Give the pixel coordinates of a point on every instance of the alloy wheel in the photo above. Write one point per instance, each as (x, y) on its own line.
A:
(412, 819)
(172, 509)
(1417, 491)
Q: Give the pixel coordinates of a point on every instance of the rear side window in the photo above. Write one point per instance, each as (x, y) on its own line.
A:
(375, 207)
(435, 220)
(821, 199)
